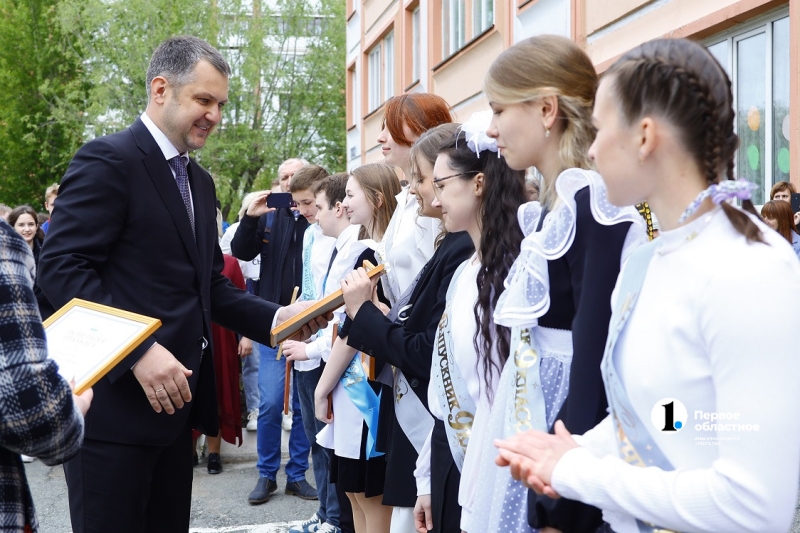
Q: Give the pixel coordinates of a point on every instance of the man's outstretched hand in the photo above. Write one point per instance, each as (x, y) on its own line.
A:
(314, 325)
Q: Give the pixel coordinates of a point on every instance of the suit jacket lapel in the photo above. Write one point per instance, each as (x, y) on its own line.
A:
(161, 175)
(200, 193)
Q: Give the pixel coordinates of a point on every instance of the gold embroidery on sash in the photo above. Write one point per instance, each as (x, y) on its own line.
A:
(461, 422)
(631, 456)
(524, 358)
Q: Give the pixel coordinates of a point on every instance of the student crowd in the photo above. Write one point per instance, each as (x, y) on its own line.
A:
(539, 365)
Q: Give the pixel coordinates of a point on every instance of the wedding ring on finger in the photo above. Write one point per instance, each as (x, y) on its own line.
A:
(159, 390)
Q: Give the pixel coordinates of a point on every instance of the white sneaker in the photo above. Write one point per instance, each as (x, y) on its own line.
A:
(252, 420)
(286, 424)
(309, 526)
(28, 459)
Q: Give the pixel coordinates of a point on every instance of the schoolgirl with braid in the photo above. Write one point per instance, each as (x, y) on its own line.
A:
(698, 437)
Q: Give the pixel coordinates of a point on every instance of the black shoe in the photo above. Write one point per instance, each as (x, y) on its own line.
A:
(195, 460)
(302, 489)
(264, 488)
(214, 464)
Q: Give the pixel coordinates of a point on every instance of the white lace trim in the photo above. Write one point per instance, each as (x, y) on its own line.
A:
(554, 343)
(527, 286)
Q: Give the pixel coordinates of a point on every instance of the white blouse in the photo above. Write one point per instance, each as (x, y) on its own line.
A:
(408, 245)
(463, 320)
(715, 327)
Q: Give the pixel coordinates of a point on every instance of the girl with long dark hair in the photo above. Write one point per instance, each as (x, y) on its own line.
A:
(697, 437)
(479, 194)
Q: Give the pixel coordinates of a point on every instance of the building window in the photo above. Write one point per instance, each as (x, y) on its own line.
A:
(455, 33)
(353, 88)
(415, 45)
(482, 16)
(374, 78)
(380, 72)
(756, 57)
(388, 64)
(453, 26)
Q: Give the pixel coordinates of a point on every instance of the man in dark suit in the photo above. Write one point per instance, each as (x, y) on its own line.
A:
(136, 229)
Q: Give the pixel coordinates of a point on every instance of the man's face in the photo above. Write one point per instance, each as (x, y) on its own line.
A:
(784, 196)
(285, 173)
(305, 204)
(191, 112)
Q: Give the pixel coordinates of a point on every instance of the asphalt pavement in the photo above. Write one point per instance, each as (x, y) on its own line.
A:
(219, 502)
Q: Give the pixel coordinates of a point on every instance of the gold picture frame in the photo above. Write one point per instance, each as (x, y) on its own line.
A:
(333, 301)
(87, 339)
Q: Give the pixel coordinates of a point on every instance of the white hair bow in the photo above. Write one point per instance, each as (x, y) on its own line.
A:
(475, 132)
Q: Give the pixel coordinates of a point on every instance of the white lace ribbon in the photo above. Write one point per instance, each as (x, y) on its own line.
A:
(527, 286)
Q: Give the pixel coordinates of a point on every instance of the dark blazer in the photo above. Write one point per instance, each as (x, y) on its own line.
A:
(278, 237)
(581, 283)
(410, 348)
(121, 237)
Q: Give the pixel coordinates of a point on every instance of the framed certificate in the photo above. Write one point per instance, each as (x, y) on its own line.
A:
(331, 302)
(87, 339)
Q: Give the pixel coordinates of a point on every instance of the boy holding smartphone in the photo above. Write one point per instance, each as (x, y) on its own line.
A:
(277, 235)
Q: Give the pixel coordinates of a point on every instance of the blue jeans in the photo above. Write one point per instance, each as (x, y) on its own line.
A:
(271, 377)
(250, 379)
(305, 383)
(250, 364)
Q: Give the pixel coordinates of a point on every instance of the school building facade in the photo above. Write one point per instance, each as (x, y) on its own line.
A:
(446, 46)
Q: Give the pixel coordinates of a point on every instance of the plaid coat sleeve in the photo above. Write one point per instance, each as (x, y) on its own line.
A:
(37, 414)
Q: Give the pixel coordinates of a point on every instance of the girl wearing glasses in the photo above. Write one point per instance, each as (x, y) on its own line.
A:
(558, 290)
(406, 337)
(477, 193)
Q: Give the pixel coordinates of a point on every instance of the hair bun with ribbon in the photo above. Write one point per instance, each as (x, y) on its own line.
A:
(475, 132)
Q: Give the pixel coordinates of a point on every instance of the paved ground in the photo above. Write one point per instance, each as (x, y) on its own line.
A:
(219, 502)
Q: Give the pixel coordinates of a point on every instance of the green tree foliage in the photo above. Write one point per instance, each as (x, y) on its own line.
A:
(39, 73)
(286, 93)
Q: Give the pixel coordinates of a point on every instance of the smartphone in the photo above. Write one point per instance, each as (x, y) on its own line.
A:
(795, 203)
(280, 199)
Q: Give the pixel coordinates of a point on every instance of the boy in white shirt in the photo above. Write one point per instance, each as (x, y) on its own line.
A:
(308, 357)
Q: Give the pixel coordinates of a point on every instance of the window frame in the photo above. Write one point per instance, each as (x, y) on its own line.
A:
(732, 36)
(374, 77)
(388, 43)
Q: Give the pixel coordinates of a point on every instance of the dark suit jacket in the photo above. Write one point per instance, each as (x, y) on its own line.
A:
(581, 283)
(278, 237)
(409, 347)
(121, 237)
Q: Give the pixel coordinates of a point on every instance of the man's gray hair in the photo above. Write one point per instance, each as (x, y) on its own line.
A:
(176, 58)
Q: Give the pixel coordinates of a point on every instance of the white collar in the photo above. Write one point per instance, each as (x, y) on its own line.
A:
(350, 233)
(167, 148)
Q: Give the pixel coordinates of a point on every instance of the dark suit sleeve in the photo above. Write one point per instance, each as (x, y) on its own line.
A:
(247, 241)
(238, 310)
(594, 263)
(89, 220)
(408, 350)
